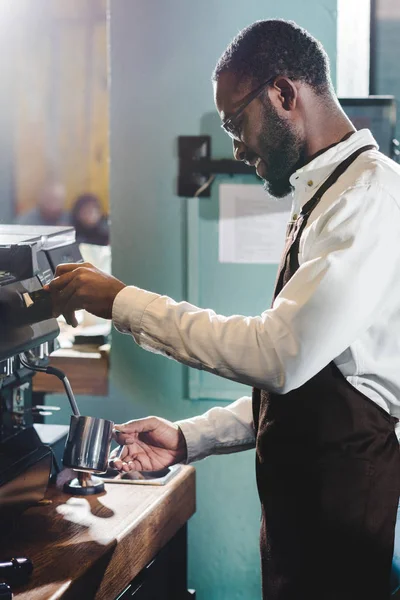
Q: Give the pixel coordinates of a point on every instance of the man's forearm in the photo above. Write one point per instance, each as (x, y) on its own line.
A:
(221, 430)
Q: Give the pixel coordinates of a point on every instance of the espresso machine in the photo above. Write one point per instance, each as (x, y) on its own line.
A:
(28, 259)
(28, 330)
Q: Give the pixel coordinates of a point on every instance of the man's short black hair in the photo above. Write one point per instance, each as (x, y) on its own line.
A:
(276, 47)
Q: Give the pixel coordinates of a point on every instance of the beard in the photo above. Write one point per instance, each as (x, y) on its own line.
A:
(282, 151)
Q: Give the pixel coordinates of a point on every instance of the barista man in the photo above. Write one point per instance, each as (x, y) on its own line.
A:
(323, 360)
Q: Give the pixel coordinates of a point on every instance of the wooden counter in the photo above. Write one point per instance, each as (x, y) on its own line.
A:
(86, 548)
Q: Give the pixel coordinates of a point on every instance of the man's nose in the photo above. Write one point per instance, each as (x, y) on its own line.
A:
(239, 150)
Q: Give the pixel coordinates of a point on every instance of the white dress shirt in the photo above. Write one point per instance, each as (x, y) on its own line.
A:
(342, 304)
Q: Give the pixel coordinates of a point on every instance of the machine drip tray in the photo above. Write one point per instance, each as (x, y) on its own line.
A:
(141, 477)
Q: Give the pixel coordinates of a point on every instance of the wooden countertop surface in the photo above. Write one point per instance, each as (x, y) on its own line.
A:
(92, 547)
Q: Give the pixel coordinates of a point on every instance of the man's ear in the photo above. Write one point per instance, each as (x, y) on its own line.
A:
(287, 93)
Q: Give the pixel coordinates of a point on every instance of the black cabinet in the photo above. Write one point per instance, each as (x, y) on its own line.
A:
(165, 577)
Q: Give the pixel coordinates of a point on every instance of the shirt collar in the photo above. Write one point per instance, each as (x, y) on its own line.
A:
(308, 179)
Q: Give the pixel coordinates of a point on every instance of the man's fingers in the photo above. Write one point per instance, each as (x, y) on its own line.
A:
(68, 267)
(66, 301)
(138, 425)
(125, 438)
(121, 460)
(119, 452)
(127, 433)
(117, 456)
(66, 273)
(63, 289)
(60, 282)
(67, 294)
(71, 319)
(131, 465)
(116, 463)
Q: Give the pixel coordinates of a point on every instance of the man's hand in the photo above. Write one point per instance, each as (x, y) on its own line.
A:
(148, 444)
(81, 285)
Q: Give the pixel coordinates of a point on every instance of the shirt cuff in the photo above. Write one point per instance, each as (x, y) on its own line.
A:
(129, 306)
(200, 440)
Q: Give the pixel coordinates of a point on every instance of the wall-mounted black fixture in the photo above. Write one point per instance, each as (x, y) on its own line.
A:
(196, 165)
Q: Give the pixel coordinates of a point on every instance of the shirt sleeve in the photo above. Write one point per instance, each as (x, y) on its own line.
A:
(348, 262)
(221, 430)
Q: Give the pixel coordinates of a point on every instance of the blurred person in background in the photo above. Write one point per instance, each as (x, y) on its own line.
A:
(50, 209)
(90, 223)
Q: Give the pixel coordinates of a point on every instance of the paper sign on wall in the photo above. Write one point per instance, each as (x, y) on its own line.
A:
(252, 224)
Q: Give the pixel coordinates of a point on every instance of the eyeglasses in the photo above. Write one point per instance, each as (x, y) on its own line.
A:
(229, 125)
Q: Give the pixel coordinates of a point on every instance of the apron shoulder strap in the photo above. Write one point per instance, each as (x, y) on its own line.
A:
(333, 177)
(289, 263)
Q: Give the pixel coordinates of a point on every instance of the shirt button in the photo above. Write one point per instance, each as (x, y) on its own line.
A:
(294, 217)
(310, 182)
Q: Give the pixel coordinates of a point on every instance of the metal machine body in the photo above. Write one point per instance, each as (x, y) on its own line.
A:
(28, 258)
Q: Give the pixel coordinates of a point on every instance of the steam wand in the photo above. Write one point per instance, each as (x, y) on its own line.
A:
(58, 373)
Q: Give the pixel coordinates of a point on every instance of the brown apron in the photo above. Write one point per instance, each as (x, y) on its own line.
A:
(328, 476)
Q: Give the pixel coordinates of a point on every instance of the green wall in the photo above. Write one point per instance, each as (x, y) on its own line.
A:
(6, 127)
(387, 75)
(162, 55)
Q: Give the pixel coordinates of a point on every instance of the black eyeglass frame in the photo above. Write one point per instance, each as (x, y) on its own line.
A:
(227, 123)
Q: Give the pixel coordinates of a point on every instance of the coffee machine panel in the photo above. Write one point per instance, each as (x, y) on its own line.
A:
(28, 258)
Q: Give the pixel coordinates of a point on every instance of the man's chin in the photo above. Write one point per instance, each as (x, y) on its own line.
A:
(278, 188)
